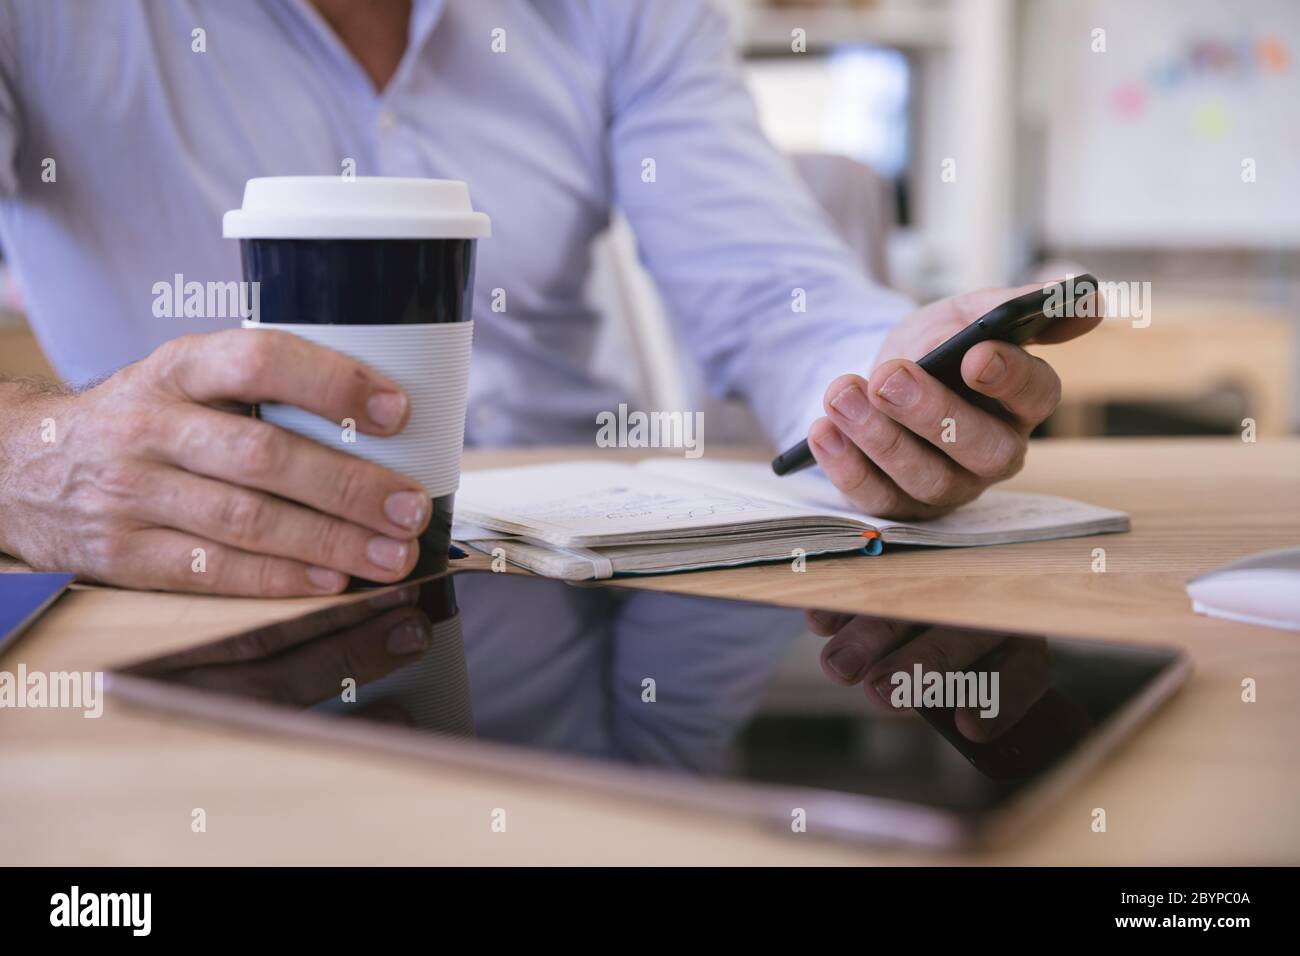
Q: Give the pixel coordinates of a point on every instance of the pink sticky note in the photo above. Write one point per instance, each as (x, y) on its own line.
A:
(1128, 99)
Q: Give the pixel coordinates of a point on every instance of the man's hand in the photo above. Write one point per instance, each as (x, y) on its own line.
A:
(870, 651)
(882, 442)
(162, 458)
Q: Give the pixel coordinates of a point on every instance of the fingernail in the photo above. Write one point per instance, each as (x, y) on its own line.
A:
(852, 404)
(831, 442)
(884, 688)
(386, 553)
(993, 370)
(456, 553)
(409, 637)
(847, 661)
(393, 597)
(386, 408)
(405, 508)
(900, 389)
(823, 618)
(326, 579)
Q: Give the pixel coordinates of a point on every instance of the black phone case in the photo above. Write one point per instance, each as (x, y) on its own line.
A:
(1016, 321)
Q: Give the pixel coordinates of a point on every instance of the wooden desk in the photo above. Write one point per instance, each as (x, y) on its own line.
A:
(1210, 780)
(1190, 349)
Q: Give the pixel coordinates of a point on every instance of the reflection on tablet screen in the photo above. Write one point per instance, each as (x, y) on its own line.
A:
(710, 701)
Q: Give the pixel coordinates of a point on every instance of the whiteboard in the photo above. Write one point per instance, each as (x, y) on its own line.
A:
(1153, 141)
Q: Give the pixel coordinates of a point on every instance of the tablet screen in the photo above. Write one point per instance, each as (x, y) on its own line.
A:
(939, 718)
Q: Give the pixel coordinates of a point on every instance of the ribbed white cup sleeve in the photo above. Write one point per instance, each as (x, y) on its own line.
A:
(431, 362)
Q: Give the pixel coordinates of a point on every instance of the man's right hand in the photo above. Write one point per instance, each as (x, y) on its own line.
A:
(162, 459)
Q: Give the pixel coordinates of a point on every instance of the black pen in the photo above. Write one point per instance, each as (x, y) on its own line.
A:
(1016, 321)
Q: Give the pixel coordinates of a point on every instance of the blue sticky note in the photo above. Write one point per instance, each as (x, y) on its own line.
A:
(23, 597)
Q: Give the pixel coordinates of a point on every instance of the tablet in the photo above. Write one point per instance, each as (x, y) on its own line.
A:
(724, 705)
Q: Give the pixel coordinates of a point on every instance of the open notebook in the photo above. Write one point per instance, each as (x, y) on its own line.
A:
(590, 519)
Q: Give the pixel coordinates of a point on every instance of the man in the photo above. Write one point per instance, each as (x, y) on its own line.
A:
(126, 129)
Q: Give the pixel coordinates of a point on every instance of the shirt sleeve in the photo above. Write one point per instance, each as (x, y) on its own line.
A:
(759, 286)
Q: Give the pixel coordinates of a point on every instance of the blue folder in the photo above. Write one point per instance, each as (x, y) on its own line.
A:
(24, 597)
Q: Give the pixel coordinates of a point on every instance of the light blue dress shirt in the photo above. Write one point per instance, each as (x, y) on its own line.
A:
(549, 109)
(152, 142)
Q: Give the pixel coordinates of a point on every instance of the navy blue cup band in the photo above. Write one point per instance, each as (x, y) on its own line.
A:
(361, 281)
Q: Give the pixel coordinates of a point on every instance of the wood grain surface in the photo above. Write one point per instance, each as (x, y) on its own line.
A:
(1209, 780)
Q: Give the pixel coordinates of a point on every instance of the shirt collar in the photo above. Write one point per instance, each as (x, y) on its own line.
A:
(425, 15)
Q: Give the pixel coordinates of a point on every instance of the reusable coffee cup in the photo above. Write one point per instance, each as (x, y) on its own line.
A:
(381, 269)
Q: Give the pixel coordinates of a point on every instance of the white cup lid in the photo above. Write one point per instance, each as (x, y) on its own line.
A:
(366, 207)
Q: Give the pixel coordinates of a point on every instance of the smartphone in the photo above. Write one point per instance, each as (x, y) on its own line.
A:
(1016, 321)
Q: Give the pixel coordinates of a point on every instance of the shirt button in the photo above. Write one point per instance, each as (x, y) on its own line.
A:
(387, 120)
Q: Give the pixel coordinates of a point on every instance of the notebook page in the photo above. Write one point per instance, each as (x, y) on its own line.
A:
(1005, 515)
(581, 503)
(810, 492)
(996, 512)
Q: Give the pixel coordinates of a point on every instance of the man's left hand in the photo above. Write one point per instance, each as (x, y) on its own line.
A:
(904, 446)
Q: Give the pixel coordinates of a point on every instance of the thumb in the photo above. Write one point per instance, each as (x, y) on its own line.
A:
(1087, 310)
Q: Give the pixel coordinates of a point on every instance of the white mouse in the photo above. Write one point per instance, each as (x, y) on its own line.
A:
(1261, 589)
